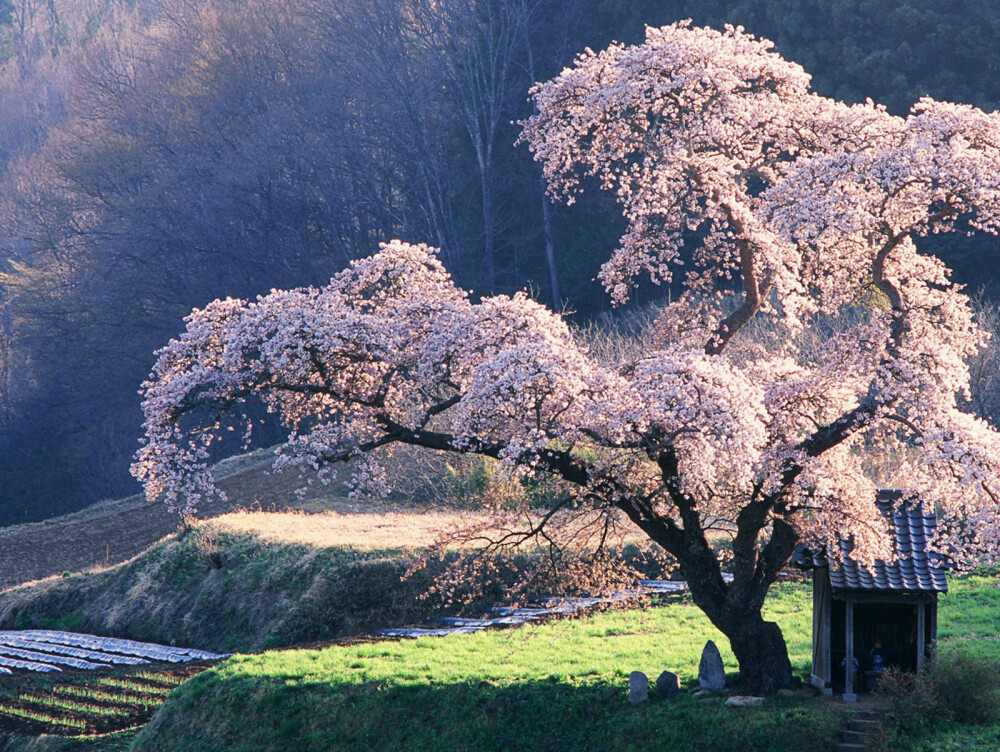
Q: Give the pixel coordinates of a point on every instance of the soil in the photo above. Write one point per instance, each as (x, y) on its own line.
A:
(88, 702)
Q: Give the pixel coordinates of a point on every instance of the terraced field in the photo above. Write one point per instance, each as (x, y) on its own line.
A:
(88, 703)
(72, 684)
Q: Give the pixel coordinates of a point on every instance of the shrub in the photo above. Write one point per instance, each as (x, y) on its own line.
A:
(912, 702)
(469, 479)
(968, 688)
(955, 686)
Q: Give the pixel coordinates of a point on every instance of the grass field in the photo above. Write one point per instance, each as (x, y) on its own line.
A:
(254, 580)
(555, 686)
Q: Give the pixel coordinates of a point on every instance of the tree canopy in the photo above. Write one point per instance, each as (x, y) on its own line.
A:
(159, 154)
(795, 209)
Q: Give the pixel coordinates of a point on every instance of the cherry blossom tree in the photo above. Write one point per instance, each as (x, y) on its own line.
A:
(778, 205)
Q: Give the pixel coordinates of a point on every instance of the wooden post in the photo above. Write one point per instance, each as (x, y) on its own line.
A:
(933, 640)
(849, 695)
(827, 629)
(921, 635)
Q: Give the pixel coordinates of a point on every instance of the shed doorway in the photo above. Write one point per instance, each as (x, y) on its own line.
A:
(896, 625)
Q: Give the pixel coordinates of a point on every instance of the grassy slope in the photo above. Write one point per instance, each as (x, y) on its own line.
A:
(265, 595)
(555, 686)
(251, 580)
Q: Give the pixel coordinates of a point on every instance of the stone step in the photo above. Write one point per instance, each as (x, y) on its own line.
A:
(864, 727)
(846, 747)
(853, 737)
(849, 747)
(864, 715)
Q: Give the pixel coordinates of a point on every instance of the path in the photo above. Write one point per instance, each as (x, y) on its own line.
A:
(514, 617)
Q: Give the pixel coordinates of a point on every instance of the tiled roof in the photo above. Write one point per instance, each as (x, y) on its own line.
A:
(915, 570)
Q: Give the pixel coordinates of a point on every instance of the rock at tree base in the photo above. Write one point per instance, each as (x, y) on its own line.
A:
(668, 684)
(711, 673)
(804, 693)
(638, 687)
(743, 701)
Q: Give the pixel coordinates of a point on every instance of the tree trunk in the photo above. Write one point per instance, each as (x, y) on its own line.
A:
(761, 652)
(550, 252)
(758, 645)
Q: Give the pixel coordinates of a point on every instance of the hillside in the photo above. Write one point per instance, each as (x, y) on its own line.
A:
(250, 581)
(114, 531)
(104, 534)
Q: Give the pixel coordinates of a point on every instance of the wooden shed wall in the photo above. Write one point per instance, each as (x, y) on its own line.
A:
(821, 670)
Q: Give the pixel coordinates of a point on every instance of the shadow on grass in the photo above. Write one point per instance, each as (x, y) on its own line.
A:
(212, 713)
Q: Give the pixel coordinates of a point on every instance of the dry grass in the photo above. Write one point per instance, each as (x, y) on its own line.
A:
(363, 528)
(360, 530)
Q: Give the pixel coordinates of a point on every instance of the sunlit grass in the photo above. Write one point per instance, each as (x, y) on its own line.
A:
(559, 685)
(136, 686)
(362, 530)
(970, 616)
(71, 706)
(123, 697)
(40, 717)
(609, 644)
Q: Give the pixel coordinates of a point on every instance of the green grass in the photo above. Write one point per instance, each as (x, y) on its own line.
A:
(968, 622)
(60, 703)
(41, 717)
(122, 697)
(560, 685)
(969, 616)
(557, 686)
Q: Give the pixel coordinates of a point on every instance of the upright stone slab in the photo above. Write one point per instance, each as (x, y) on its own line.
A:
(711, 673)
(638, 687)
(668, 684)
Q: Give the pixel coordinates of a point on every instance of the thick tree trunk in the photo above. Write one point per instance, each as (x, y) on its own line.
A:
(763, 657)
(734, 608)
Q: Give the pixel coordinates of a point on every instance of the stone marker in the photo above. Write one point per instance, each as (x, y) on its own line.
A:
(743, 701)
(638, 687)
(711, 673)
(668, 684)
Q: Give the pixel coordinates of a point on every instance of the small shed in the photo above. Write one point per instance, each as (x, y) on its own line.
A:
(894, 604)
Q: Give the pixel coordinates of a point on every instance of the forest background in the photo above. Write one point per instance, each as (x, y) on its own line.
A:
(158, 154)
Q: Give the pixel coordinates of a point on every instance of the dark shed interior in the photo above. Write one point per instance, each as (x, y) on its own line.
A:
(886, 615)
